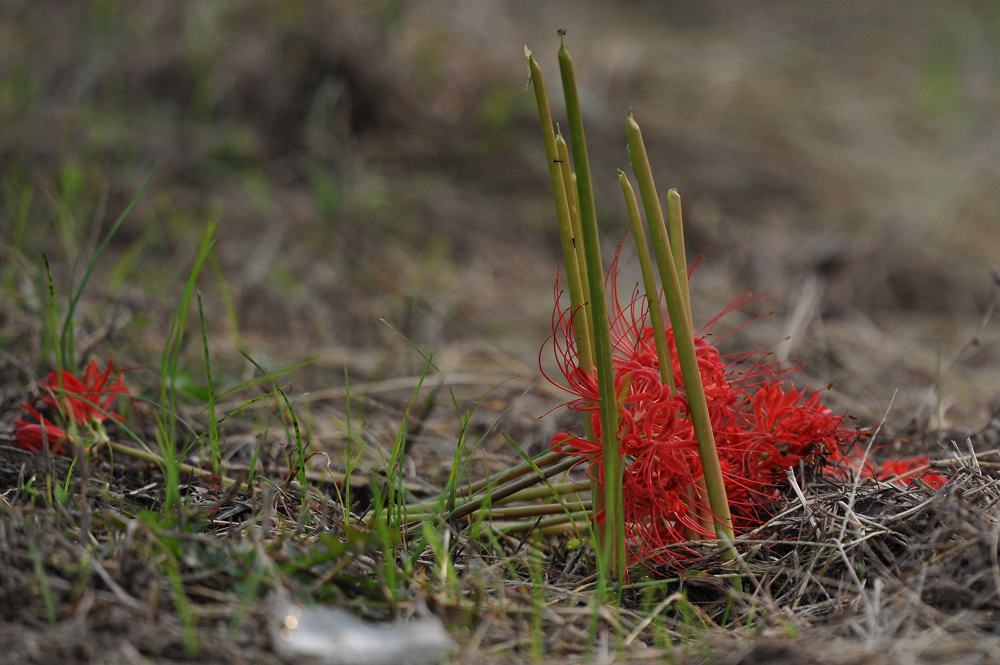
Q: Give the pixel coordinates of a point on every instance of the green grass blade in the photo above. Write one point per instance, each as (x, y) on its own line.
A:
(50, 342)
(213, 421)
(167, 420)
(66, 337)
(300, 446)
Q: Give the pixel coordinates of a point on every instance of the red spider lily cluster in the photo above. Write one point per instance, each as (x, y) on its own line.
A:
(85, 401)
(763, 426)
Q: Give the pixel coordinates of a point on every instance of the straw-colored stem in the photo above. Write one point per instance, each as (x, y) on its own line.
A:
(649, 283)
(530, 494)
(684, 338)
(546, 491)
(514, 512)
(153, 458)
(614, 532)
(563, 529)
(559, 194)
(508, 527)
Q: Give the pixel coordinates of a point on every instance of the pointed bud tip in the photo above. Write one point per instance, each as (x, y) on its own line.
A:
(527, 52)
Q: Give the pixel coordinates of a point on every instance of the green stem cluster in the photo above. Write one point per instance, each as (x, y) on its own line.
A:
(575, 209)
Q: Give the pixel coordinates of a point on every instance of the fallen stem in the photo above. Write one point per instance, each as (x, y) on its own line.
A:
(543, 492)
(512, 487)
(524, 467)
(577, 517)
(514, 512)
(153, 458)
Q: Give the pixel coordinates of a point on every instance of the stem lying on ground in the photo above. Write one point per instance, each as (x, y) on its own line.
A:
(541, 461)
(512, 487)
(183, 467)
(529, 494)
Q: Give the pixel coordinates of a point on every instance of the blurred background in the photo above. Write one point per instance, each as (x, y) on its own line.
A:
(381, 161)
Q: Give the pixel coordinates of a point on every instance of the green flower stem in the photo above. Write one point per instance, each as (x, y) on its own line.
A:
(675, 231)
(684, 338)
(678, 248)
(649, 283)
(614, 533)
(569, 183)
(566, 235)
(659, 327)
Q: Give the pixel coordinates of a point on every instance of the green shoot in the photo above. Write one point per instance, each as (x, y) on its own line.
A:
(675, 233)
(683, 337)
(213, 421)
(166, 434)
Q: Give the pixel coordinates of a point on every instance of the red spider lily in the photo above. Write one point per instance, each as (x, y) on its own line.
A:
(899, 472)
(762, 428)
(32, 436)
(77, 402)
(911, 471)
(86, 400)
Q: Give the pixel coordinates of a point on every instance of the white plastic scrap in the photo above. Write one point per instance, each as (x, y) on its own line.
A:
(337, 637)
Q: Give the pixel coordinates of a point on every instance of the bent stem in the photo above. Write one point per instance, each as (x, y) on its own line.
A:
(684, 338)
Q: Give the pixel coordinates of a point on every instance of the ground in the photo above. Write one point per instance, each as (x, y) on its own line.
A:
(379, 187)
